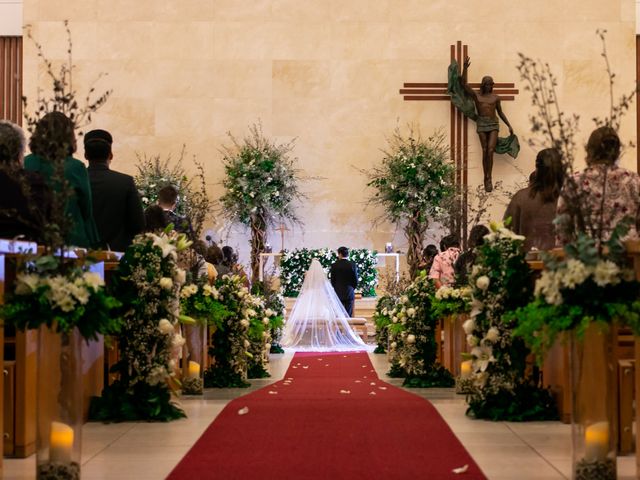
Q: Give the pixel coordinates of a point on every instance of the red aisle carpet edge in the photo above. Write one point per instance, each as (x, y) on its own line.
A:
(330, 418)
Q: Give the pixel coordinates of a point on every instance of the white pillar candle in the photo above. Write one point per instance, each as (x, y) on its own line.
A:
(596, 441)
(194, 369)
(60, 443)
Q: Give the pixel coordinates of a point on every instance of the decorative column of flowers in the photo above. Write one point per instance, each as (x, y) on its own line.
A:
(294, 264)
(148, 283)
(451, 305)
(412, 342)
(261, 322)
(55, 293)
(230, 340)
(382, 319)
(502, 388)
(201, 302)
(587, 295)
(412, 186)
(261, 187)
(275, 306)
(67, 308)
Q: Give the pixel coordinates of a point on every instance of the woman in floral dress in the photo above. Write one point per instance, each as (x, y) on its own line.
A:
(602, 194)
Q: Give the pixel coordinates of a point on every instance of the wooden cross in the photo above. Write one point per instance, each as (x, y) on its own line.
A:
(282, 228)
(459, 143)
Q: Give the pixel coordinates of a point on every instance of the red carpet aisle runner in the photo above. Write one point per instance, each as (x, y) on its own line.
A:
(307, 427)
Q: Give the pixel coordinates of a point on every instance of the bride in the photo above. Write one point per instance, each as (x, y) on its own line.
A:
(318, 321)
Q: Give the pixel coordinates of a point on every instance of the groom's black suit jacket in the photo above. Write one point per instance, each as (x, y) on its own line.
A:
(344, 278)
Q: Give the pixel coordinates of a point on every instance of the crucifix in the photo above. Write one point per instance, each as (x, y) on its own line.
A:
(282, 228)
(459, 143)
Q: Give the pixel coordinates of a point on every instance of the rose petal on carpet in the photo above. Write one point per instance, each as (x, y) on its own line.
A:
(313, 430)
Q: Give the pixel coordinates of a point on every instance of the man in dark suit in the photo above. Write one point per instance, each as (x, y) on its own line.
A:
(117, 209)
(168, 201)
(344, 279)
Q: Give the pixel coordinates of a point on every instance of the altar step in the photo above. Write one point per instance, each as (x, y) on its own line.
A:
(364, 308)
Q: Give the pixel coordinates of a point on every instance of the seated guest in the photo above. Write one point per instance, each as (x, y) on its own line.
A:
(442, 271)
(606, 193)
(203, 267)
(155, 220)
(117, 209)
(467, 258)
(230, 259)
(54, 135)
(533, 209)
(215, 257)
(428, 254)
(168, 200)
(24, 196)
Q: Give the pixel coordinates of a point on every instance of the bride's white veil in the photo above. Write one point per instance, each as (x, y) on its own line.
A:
(318, 321)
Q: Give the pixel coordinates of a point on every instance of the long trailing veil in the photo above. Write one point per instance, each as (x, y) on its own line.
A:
(318, 321)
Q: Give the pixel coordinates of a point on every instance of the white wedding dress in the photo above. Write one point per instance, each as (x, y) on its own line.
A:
(318, 322)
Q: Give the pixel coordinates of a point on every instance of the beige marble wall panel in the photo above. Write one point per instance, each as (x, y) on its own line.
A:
(301, 78)
(48, 10)
(235, 11)
(125, 10)
(360, 10)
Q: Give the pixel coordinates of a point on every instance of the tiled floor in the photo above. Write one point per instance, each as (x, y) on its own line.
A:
(145, 451)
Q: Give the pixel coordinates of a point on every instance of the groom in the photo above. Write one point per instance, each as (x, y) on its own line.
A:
(344, 279)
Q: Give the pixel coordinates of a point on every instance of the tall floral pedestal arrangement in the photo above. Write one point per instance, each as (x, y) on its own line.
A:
(594, 426)
(67, 306)
(59, 413)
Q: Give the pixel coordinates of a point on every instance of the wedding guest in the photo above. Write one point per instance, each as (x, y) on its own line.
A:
(205, 267)
(442, 271)
(215, 257)
(24, 196)
(606, 193)
(168, 201)
(467, 258)
(533, 209)
(230, 259)
(117, 209)
(154, 219)
(55, 135)
(428, 255)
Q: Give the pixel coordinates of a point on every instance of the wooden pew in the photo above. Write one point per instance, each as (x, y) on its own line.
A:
(19, 353)
(454, 342)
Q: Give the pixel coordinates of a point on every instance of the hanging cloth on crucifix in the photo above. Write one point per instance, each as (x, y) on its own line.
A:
(465, 104)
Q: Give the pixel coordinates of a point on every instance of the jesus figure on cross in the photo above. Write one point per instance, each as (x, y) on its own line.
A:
(483, 109)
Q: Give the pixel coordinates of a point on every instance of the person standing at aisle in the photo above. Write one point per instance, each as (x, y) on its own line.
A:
(344, 279)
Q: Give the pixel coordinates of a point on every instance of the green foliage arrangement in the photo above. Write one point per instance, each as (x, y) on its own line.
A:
(501, 388)
(385, 304)
(412, 186)
(261, 187)
(294, 264)
(451, 301)
(412, 342)
(148, 283)
(241, 341)
(62, 302)
(274, 301)
(584, 287)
